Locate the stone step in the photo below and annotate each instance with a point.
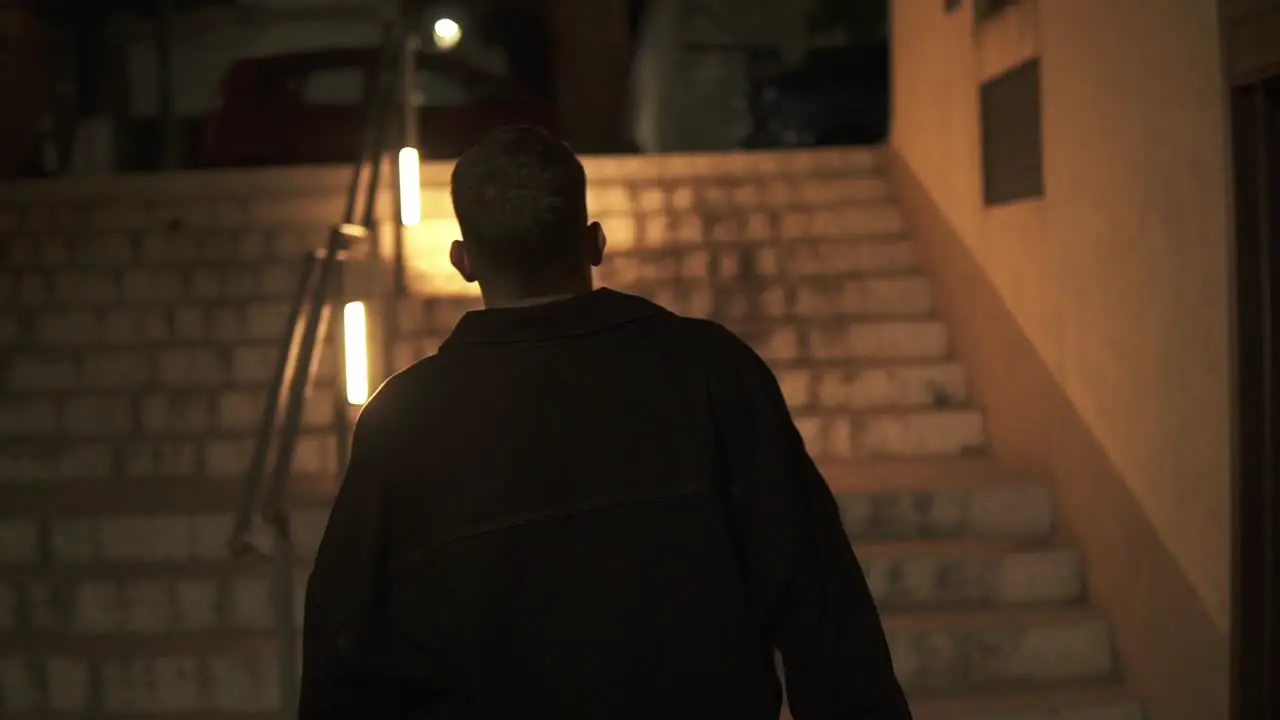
(430, 275)
(838, 256)
(87, 597)
(848, 277)
(844, 341)
(664, 168)
(110, 405)
(97, 438)
(957, 574)
(1021, 511)
(144, 266)
(906, 385)
(934, 655)
(941, 653)
(173, 366)
(160, 520)
(606, 199)
(849, 295)
(187, 434)
(237, 319)
(137, 287)
(913, 475)
(145, 355)
(182, 684)
(763, 223)
(1098, 701)
(113, 249)
(893, 433)
(205, 200)
(205, 233)
(1087, 703)
(288, 195)
(753, 163)
(77, 419)
(817, 343)
(845, 297)
(831, 296)
(1070, 702)
(89, 460)
(188, 519)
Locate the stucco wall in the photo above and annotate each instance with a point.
(1118, 278)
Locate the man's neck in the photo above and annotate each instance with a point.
(494, 299)
(526, 302)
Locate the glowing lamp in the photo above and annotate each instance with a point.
(355, 343)
(410, 187)
(446, 33)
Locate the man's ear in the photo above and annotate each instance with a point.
(458, 258)
(596, 242)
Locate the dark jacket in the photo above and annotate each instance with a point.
(588, 509)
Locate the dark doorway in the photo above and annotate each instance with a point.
(1255, 114)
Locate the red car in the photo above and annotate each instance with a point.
(310, 107)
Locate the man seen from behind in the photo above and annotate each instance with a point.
(583, 507)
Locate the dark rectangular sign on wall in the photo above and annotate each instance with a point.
(983, 9)
(1012, 143)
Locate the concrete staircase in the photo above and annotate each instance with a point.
(137, 331)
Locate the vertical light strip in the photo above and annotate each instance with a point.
(410, 187)
(356, 352)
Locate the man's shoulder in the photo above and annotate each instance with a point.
(723, 349)
(717, 340)
(397, 393)
(692, 327)
(710, 340)
(413, 376)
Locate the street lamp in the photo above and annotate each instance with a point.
(447, 33)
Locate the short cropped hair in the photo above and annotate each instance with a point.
(520, 196)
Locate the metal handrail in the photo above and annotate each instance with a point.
(261, 527)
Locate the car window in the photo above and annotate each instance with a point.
(333, 86)
(439, 90)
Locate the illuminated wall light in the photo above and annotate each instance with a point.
(410, 187)
(356, 352)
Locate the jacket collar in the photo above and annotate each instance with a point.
(578, 315)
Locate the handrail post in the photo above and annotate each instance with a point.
(262, 520)
(244, 539)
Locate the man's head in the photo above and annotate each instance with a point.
(520, 198)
